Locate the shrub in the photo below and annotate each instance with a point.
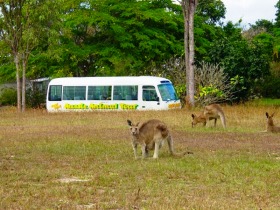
(8, 97)
(269, 87)
(212, 85)
(35, 98)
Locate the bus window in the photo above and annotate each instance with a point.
(99, 92)
(128, 92)
(74, 92)
(149, 93)
(55, 93)
(167, 92)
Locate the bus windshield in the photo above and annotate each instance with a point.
(167, 92)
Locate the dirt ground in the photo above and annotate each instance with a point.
(238, 141)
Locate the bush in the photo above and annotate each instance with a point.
(212, 85)
(8, 97)
(35, 98)
(269, 87)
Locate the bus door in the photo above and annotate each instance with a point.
(150, 98)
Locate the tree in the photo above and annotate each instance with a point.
(113, 37)
(277, 19)
(188, 7)
(22, 24)
(208, 16)
(262, 25)
(211, 11)
(11, 32)
(244, 61)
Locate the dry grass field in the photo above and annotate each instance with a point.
(85, 161)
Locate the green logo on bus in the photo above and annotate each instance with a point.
(76, 106)
(103, 106)
(129, 106)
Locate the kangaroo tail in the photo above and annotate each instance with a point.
(171, 148)
(181, 154)
(223, 119)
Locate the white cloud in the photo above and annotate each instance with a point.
(250, 10)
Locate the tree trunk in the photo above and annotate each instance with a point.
(188, 7)
(185, 6)
(16, 60)
(23, 103)
(191, 86)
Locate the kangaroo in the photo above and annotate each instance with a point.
(210, 112)
(151, 136)
(270, 127)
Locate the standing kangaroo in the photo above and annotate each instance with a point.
(151, 136)
(210, 112)
(270, 127)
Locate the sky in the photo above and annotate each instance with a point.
(250, 10)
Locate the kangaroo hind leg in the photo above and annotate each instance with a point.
(157, 146)
(170, 144)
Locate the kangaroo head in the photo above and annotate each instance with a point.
(269, 119)
(134, 130)
(198, 119)
(195, 120)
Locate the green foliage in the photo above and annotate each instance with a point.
(210, 91)
(181, 92)
(277, 19)
(206, 31)
(276, 45)
(118, 38)
(7, 68)
(247, 59)
(23, 26)
(263, 24)
(211, 11)
(35, 98)
(269, 87)
(7, 72)
(240, 90)
(8, 97)
(212, 84)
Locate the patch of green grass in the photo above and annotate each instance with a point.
(265, 102)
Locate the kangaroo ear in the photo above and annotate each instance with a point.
(272, 114)
(193, 116)
(267, 115)
(129, 122)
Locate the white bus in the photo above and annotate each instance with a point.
(111, 93)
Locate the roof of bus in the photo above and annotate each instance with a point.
(120, 80)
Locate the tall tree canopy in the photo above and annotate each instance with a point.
(119, 38)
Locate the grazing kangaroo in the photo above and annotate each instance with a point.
(270, 127)
(210, 112)
(151, 136)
